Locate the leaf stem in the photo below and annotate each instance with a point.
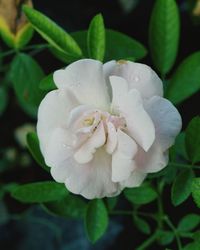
(181, 165)
(130, 213)
(170, 224)
(37, 46)
(148, 242)
(7, 53)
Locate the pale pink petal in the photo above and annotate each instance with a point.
(139, 123)
(59, 147)
(119, 92)
(77, 113)
(85, 153)
(166, 119)
(139, 76)
(122, 159)
(91, 180)
(111, 138)
(152, 161)
(85, 78)
(135, 179)
(53, 113)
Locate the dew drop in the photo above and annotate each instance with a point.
(136, 78)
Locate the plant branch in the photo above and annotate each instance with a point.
(181, 165)
(148, 242)
(170, 224)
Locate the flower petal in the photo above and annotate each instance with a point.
(152, 161)
(139, 76)
(85, 153)
(135, 179)
(85, 78)
(139, 123)
(166, 119)
(91, 180)
(111, 138)
(59, 147)
(53, 112)
(119, 92)
(122, 159)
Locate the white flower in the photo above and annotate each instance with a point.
(106, 126)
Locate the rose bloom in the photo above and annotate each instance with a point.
(106, 126)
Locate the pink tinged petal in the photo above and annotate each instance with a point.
(139, 76)
(152, 161)
(59, 147)
(77, 113)
(135, 179)
(122, 159)
(119, 92)
(111, 138)
(166, 119)
(93, 179)
(139, 123)
(85, 153)
(85, 78)
(53, 113)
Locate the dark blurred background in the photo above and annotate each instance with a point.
(38, 230)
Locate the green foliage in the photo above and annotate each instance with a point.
(111, 202)
(129, 47)
(181, 188)
(165, 237)
(164, 34)
(70, 206)
(25, 75)
(189, 223)
(59, 39)
(96, 220)
(196, 191)
(193, 140)
(186, 80)
(141, 195)
(96, 38)
(39, 192)
(192, 246)
(34, 148)
(180, 146)
(142, 225)
(47, 83)
(3, 100)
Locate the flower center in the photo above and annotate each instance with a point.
(89, 123)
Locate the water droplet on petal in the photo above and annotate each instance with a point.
(136, 78)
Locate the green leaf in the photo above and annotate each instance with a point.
(180, 146)
(111, 202)
(129, 47)
(141, 195)
(181, 188)
(47, 83)
(192, 246)
(71, 206)
(196, 191)
(96, 220)
(188, 223)
(25, 75)
(39, 192)
(192, 140)
(186, 80)
(164, 33)
(34, 148)
(53, 34)
(96, 38)
(3, 100)
(142, 225)
(165, 237)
